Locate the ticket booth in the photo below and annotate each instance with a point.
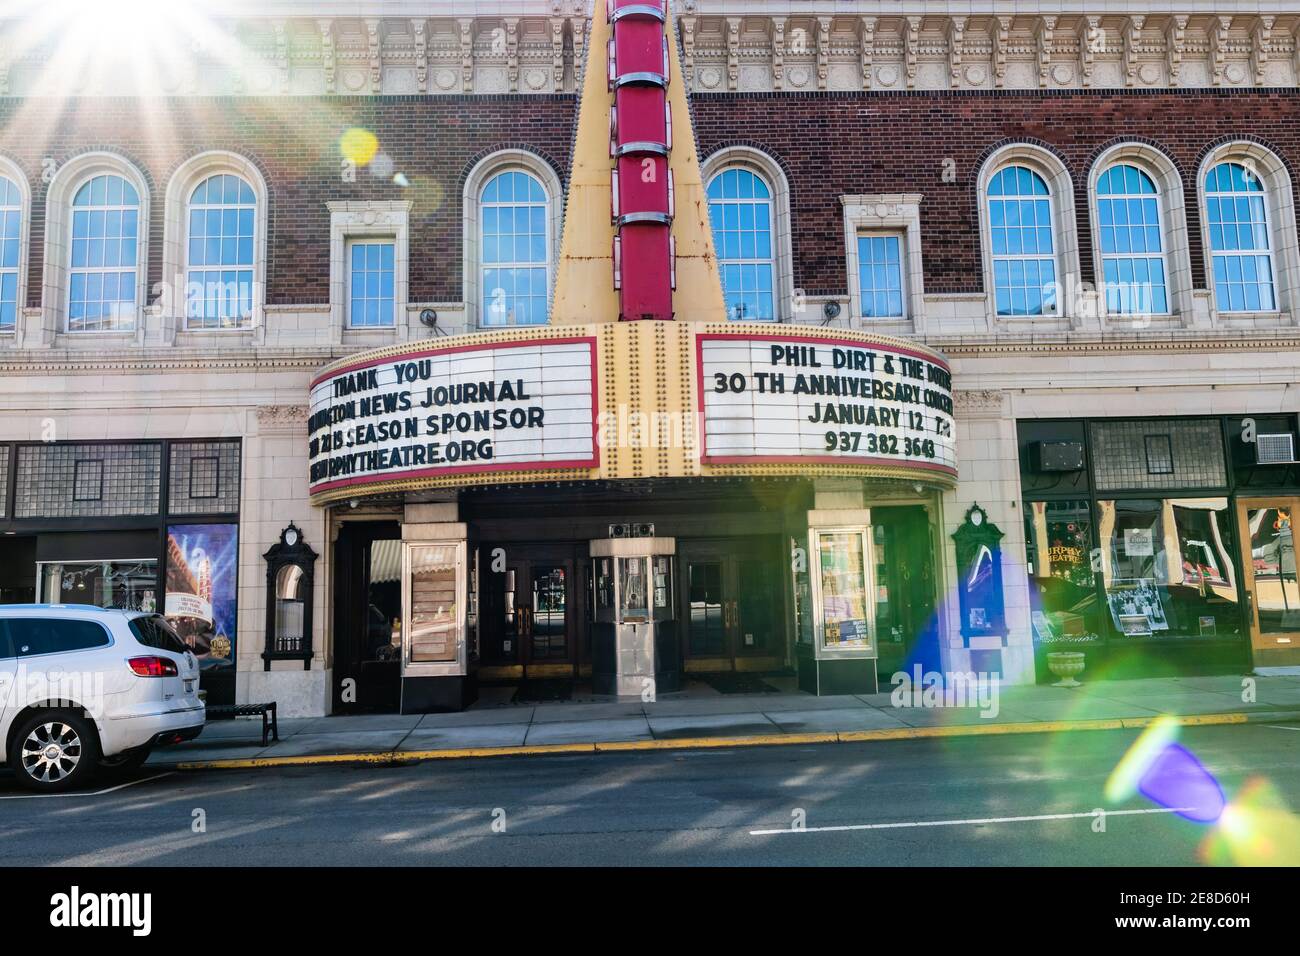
(635, 643)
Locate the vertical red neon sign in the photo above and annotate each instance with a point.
(640, 140)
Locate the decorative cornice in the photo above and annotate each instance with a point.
(532, 46)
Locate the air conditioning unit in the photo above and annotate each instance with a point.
(1060, 456)
(1275, 449)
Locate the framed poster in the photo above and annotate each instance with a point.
(201, 595)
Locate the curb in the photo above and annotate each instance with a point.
(393, 757)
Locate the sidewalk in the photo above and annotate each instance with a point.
(702, 717)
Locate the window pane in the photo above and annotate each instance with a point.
(221, 234)
(740, 211)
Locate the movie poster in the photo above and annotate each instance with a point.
(202, 560)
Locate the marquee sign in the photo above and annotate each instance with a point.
(815, 399)
(434, 412)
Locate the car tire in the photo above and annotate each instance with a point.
(54, 750)
(124, 764)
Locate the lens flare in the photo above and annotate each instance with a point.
(1256, 829)
(1168, 774)
(358, 145)
(1124, 779)
(1177, 779)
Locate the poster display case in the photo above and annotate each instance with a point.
(437, 626)
(843, 615)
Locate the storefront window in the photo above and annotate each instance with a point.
(842, 564)
(1167, 569)
(131, 585)
(1063, 600)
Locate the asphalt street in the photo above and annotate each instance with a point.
(964, 801)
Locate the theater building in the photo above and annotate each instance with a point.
(621, 346)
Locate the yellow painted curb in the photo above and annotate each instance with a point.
(697, 743)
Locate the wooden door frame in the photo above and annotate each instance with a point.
(1259, 639)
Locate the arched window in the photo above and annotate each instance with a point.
(220, 248)
(11, 246)
(1021, 229)
(1131, 234)
(740, 211)
(102, 271)
(1236, 211)
(516, 250)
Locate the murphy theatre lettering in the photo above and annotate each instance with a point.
(429, 412)
(791, 398)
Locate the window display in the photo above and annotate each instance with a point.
(131, 585)
(1166, 567)
(843, 566)
(1063, 599)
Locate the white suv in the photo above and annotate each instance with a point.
(84, 688)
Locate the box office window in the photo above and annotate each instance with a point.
(87, 480)
(1158, 454)
(1166, 567)
(203, 478)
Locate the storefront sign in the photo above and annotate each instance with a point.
(780, 398)
(429, 412)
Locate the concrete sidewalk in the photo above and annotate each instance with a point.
(701, 716)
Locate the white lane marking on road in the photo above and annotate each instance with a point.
(904, 824)
(1279, 727)
(94, 793)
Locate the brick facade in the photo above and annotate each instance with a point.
(836, 144)
(434, 142)
(830, 144)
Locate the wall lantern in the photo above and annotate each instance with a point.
(290, 564)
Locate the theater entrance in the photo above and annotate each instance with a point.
(368, 617)
(532, 611)
(732, 604)
(907, 626)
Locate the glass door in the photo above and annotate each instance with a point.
(1270, 570)
(708, 614)
(548, 617)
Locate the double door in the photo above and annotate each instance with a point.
(1269, 572)
(732, 605)
(530, 613)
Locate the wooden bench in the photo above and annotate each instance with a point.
(270, 723)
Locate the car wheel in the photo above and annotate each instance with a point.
(54, 750)
(124, 764)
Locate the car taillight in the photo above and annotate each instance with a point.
(153, 666)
